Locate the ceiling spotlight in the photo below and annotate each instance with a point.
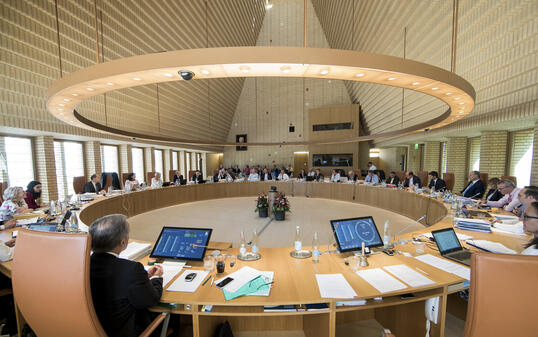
(457, 98)
(60, 109)
(187, 75)
(72, 95)
(168, 75)
(90, 89)
(462, 103)
(435, 88)
(268, 5)
(391, 78)
(205, 72)
(360, 75)
(137, 78)
(244, 69)
(67, 99)
(286, 69)
(416, 83)
(61, 104)
(448, 93)
(324, 72)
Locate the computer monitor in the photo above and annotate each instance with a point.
(44, 228)
(446, 240)
(351, 233)
(182, 243)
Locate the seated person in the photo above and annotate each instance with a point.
(526, 196)
(393, 178)
(371, 166)
(475, 188)
(177, 178)
(493, 194)
(412, 180)
(6, 250)
(13, 203)
(157, 182)
(351, 176)
(530, 224)
(93, 186)
(509, 200)
(318, 176)
(230, 175)
(253, 176)
(301, 175)
(335, 176)
(311, 173)
(131, 183)
(33, 194)
(8, 224)
(197, 177)
(266, 175)
(283, 176)
(436, 183)
(371, 178)
(219, 175)
(122, 291)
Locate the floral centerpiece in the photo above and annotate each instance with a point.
(280, 207)
(262, 205)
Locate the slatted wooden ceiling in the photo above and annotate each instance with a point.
(127, 28)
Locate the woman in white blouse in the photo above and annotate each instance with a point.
(283, 176)
(335, 177)
(13, 203)
(156, 182)
(131, 183)
(530, 224)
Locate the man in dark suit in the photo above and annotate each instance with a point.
(197, 177)
(93, 186)
(318, 176)
(475, 188)
(177, 178)
(411, 180)
(122, 291)
(435, 182)
(265, 175)
(393, 179)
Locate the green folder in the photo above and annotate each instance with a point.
(258, 287)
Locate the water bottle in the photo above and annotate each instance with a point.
(254, 245)
(297, 243)
(386, 234)
(52, 208)
(58, 209)
(315, 248)
(74, 222)
(243, 245)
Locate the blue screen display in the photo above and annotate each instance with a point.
(446, 240)
(43, 228)
(178, 243)
(351, 233)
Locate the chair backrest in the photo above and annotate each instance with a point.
(108, 181)
(51, 284)
(423, 175)
(449, 180)
(503, 295)
(78, 184)
(191, 173)
(400, 175)
(123, 179)
(171, 175)
(484, 177)
(3, 187)
(150, 175)
(514, 179)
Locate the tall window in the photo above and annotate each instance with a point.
(159, 162)
(109, 158)
(69, 164)
(443, 157)
(198, 159)
(138, 163)
(521, 156)
(474, 154)
(174, 160)
(188, 163)
(18, 161)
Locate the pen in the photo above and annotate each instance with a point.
(207, 279)
(185, 266)
(422, 271)
(212, 282)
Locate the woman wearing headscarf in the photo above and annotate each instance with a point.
(33, 193)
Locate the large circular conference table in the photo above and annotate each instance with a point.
(294, 279)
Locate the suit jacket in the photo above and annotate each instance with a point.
(318, 177)
(393, 181)
(495, 195)
(269, 176)
(175, 178)
(121, 293)
(476, 191)
(88, 187)
(416, 180)
(440, 184)
(198, 179)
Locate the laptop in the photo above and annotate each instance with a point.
(450, 247)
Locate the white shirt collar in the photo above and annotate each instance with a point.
(112, 253)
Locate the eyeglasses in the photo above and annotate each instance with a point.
(525, 216)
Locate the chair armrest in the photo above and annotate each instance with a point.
(156, 322)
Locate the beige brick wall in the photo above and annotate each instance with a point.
(457, 161)
(414, 158)
(534, 169)
(92, 156)
(126, 159)
(46, 167)
(149, 159)
(3, 162)
(493, 151)
(167, 165)
(432, 156)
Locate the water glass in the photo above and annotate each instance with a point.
(419, 248)
(354, 263)
(209, 263)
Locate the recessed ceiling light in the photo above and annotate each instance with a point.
(457, 98)
(268, 5)
(448, 93)
(244, 69)
(360, 75)
(205, 72)
(67, 99)
(435, 88)
(324, 72)
(72, 95)
(462, 103)
(391, 78)
(60, 109)
(90, 89)
(285, 69)
(137, 78)
(416, 83)
(109, 83)
(61, 104)
(168, 75)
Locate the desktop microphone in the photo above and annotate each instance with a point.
(406, 227)
(331, 241)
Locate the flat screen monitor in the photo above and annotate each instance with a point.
(43, 228)
(446, 240)
(351, 233)
(182, 243)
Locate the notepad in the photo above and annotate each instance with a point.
(181, 285)
(516, 228)
(334, 286)
(170, 270)
(446, 265)
(380, 280)
(409, 275)
(240, 278)
(490, 246)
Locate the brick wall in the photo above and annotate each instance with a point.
(414, 158)
(167, 165)
(92, 156)
(149, 159)
(432, 156)
(46, 167)
(493, 151)
(534, 169)
(3, 162)
(457, 161)
(126, 159)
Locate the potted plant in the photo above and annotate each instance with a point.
(280, 207)
(262, 206)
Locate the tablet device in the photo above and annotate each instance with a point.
(351, 233)
(182, 243)
(43, 228)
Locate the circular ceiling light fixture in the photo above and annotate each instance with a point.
(259, 62)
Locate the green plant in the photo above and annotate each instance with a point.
(261, 202)
(281, 204)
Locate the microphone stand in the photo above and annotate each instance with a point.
(391, 245)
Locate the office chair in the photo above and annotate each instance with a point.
(78, 184)
(503, 296)
(51, 285)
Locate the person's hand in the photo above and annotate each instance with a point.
(10, 243)
(156, 270)
(10, 224)
(517, 211)
(480, 202)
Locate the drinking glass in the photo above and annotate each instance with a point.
(209, 263)
(419, 247)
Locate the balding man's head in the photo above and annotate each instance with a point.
(108, 232)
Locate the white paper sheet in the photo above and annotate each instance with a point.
(170, 270)
(380, 280)
(446, 265)
(409, 275)
(516, 228)
(240, 278)
(28, 221)
(334, 286)
(134, 250)
(494, 247)
(181, 285)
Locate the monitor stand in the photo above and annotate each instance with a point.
(359, 252)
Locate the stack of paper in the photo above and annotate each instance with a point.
(506, 219)
(380, 280)
(334, 286)
(409, 275)
(135, 250)
(170, 270)
(240, 278)
(181, 285)
(489, 246)
(446, 265)
(476, 225)
(350, 303)
(516, 228)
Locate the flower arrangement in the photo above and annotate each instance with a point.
(261, 203)
(281, 204)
